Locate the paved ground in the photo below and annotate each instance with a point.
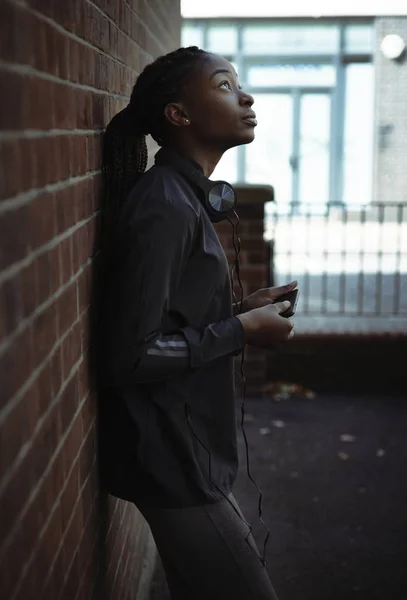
(336, 509)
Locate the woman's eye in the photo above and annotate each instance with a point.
(226, 83)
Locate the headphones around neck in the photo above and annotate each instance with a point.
(219, 197)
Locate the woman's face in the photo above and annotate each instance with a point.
(219, 111)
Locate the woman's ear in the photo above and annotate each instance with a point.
(176, 115)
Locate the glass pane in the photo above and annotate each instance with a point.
(227, 167)
(359, 38)
(358, 135)
(222, 40)
(268, 157)
(290, 39)
(314, 151)
(191, 35)
(292, 75)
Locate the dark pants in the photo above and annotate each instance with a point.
(207, 555)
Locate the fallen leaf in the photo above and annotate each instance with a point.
(277, 423)
(343, 455)
(264, 430)
(347, 437)
(380, 452)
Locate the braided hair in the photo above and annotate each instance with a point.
(124, 145)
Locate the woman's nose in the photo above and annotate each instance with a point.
(246, 99)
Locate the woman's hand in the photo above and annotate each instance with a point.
(267, 296)
(264, 328)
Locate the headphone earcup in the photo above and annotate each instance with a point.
(218, 198)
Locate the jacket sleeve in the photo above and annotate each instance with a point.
(161, 240)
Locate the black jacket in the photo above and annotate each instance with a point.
(168, 431)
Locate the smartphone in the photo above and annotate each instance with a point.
(291, 297)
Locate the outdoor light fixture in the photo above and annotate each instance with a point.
(392, 46)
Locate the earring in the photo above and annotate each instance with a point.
(187, 121)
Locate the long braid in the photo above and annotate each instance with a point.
(124, 145)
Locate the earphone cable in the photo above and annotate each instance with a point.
(236, 269)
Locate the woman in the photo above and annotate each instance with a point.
(168, 438)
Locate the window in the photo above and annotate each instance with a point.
(359, 39)
(268, 158)
(314, 102)
(290, 39)
(358, 135)
(192, 35)
(314, 150)
(222, 40)
(291, 75)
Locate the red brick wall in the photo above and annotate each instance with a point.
(65, 68)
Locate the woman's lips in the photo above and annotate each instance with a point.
(250, 121)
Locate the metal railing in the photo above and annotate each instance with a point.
(348, 260)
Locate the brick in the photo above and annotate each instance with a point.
(100, 105)
(12, 92)
(18, 429)
(45, 333)
(42, 219)
(72, 444)
(78, 155)
(56, 371)
(67, 309)
(10, 168)
(83, 109)
(62, 55)
(16, 365)
(29, 164)
(88, 416)
(16, 494)
(45, 7)
(37, 103)
(44, 391)
(70, 355)
(75, 62)
(43, 451)
(12, 303)
(43, 277)
(54, 269)
(29, 289)
(84, 206)
(12, 563)
(69, 497)
(31, 581)
(34, 51)
(79, 242)
(66, 259)
(65, 153)
(65, 209)
(72, 583)
(87, 66)
(46, 164)
(8, 28)
(94, 151)
(64, 106)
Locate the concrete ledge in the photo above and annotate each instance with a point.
(345, 363)
(350, 325)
